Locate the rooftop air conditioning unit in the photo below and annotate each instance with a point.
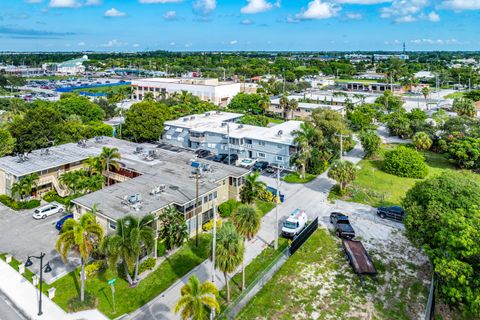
(185, 119)
(240, 126)
(207, 114)
(134, 198)
(192, 118)
(224, 124)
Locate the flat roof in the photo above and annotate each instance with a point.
(210, 82)
(213, 123)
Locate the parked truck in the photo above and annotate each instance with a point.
(294, 224)
(358, 257)
(341, 223)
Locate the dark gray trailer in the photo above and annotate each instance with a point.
(358, 257)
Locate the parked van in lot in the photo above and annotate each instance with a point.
(294, 224)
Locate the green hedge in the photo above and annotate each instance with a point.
(53, 196)
(227, 208)
(405, 162)
(18, 205)
(161, 248)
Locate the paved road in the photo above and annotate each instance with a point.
(8, 311)
(310, 197)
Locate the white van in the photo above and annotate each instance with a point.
(294, 224)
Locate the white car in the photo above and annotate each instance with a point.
(48, 210)
(247, 163)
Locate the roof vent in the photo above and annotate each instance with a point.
(240, 126)
(207, 114)
(224, 124)
(98, 139)
(185, 119)
(82, 143)
(280, 132)
(218, 112)
(132, 199)
(158, 189)
(192, 118)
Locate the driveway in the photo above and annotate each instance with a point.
(21, 236)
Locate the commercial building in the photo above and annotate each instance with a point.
(219, 133)
(219, 93)
(371, 87)
(70, 67)
(304, 109)
(22, 71)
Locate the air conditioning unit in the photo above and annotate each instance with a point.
(134, 198)
(240, 126)
(224, 124)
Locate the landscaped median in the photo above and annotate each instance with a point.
(294, 177)
(129, 299)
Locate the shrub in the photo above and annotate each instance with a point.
(161, 248)
(52, 196)
(93, 268)
(16, 205)
(30, 204)
(147, 264)
(75, 304)
(405, 162)
(227, 208)
(209, 225)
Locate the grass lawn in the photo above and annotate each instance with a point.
(264, 207)
(455, 95)
(129, 299)
(318, 283)
(294, 177)
(275, 120)
(252, 270)
(375, 187)
(105, 89)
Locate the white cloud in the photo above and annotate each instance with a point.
(233, 42)
(73, 3)
(404, 10)
(353, 16)
(407, 18)
(114, 43)
(159, 1)
(257, 6)
(436, 42)
(461, 4)
(433, 17)
(81, 44)
(362, 1)
(135, 45)
(172, 43)
(246, 22)
(170, 15)
(204, 7)
(188, 45)
(114, 13)
(318, 10)
(34, 1)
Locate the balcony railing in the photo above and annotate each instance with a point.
(197, 139)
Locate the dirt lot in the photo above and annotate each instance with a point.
(317, 282)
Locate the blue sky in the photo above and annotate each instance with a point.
(191, 25)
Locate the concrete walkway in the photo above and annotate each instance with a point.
(24, 296)
(310, 197)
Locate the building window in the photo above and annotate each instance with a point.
(279, 158)
(112, 225)
(211, 145)
(261, 143)
(262, 155)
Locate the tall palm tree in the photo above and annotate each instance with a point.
(133, 235)
(303, 140)
(246, 220)
(292, 106)
(425, 93)
(93, 165)
(229, 251)
(25, 185)
(252, 188)
(197, 299)
(283, 102)
(108, 158)
(80, 237)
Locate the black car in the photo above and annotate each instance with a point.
(394, 213)
(270, 169)
(220, 157)
(201, 153)
(343, 228)
(260, 166)
(233, 158)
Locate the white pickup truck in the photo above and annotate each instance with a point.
(294, 224)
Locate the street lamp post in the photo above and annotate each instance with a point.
(28, 263)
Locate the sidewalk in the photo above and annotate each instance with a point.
(310, 196)
(25, 298)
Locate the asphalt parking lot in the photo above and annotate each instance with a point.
(21, 236)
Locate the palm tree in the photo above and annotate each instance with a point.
(80, 237)
(197, 299)
(425, 93)
(229, 251)
(246, 220)
(292, 106)
(108, 158)
(421, 141)
(133, 235)
(343, 172)
(25, 185)
(283, 102)
(252, 188)
(173, 228)
(93, 165)
(303, 140)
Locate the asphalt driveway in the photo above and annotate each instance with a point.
(21, 236)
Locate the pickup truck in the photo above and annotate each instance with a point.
(343, 228)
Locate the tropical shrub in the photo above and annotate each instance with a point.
(422, 141)
(227, 208)
(147, 264)
(370, 142)
(18, 205)
(405, 162)
(209, 225)
(94, 267)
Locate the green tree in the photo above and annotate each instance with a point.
(464, 107)
(405, 162)
(24, 187)
(465, 152)
(80, 237)
(343, 172)
(7, 142)
(304, 141)
(442, 217)
(197, 300)
(426, 93)
(173, 228)
(252, 187)
(248, 103)
(81, 106)
(144, 120)
(109, 159)
(371, 142)
(422, 141)
(229, 252)
(389, 101)
(247, 220)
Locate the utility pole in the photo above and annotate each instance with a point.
(196, 205)
(276, 208)
(341, 144)
(283, 70)
(214, 242)
(228, 142)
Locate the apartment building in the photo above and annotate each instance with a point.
(219, 93)
(371, 87)
(303, 111)
(219, 133)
